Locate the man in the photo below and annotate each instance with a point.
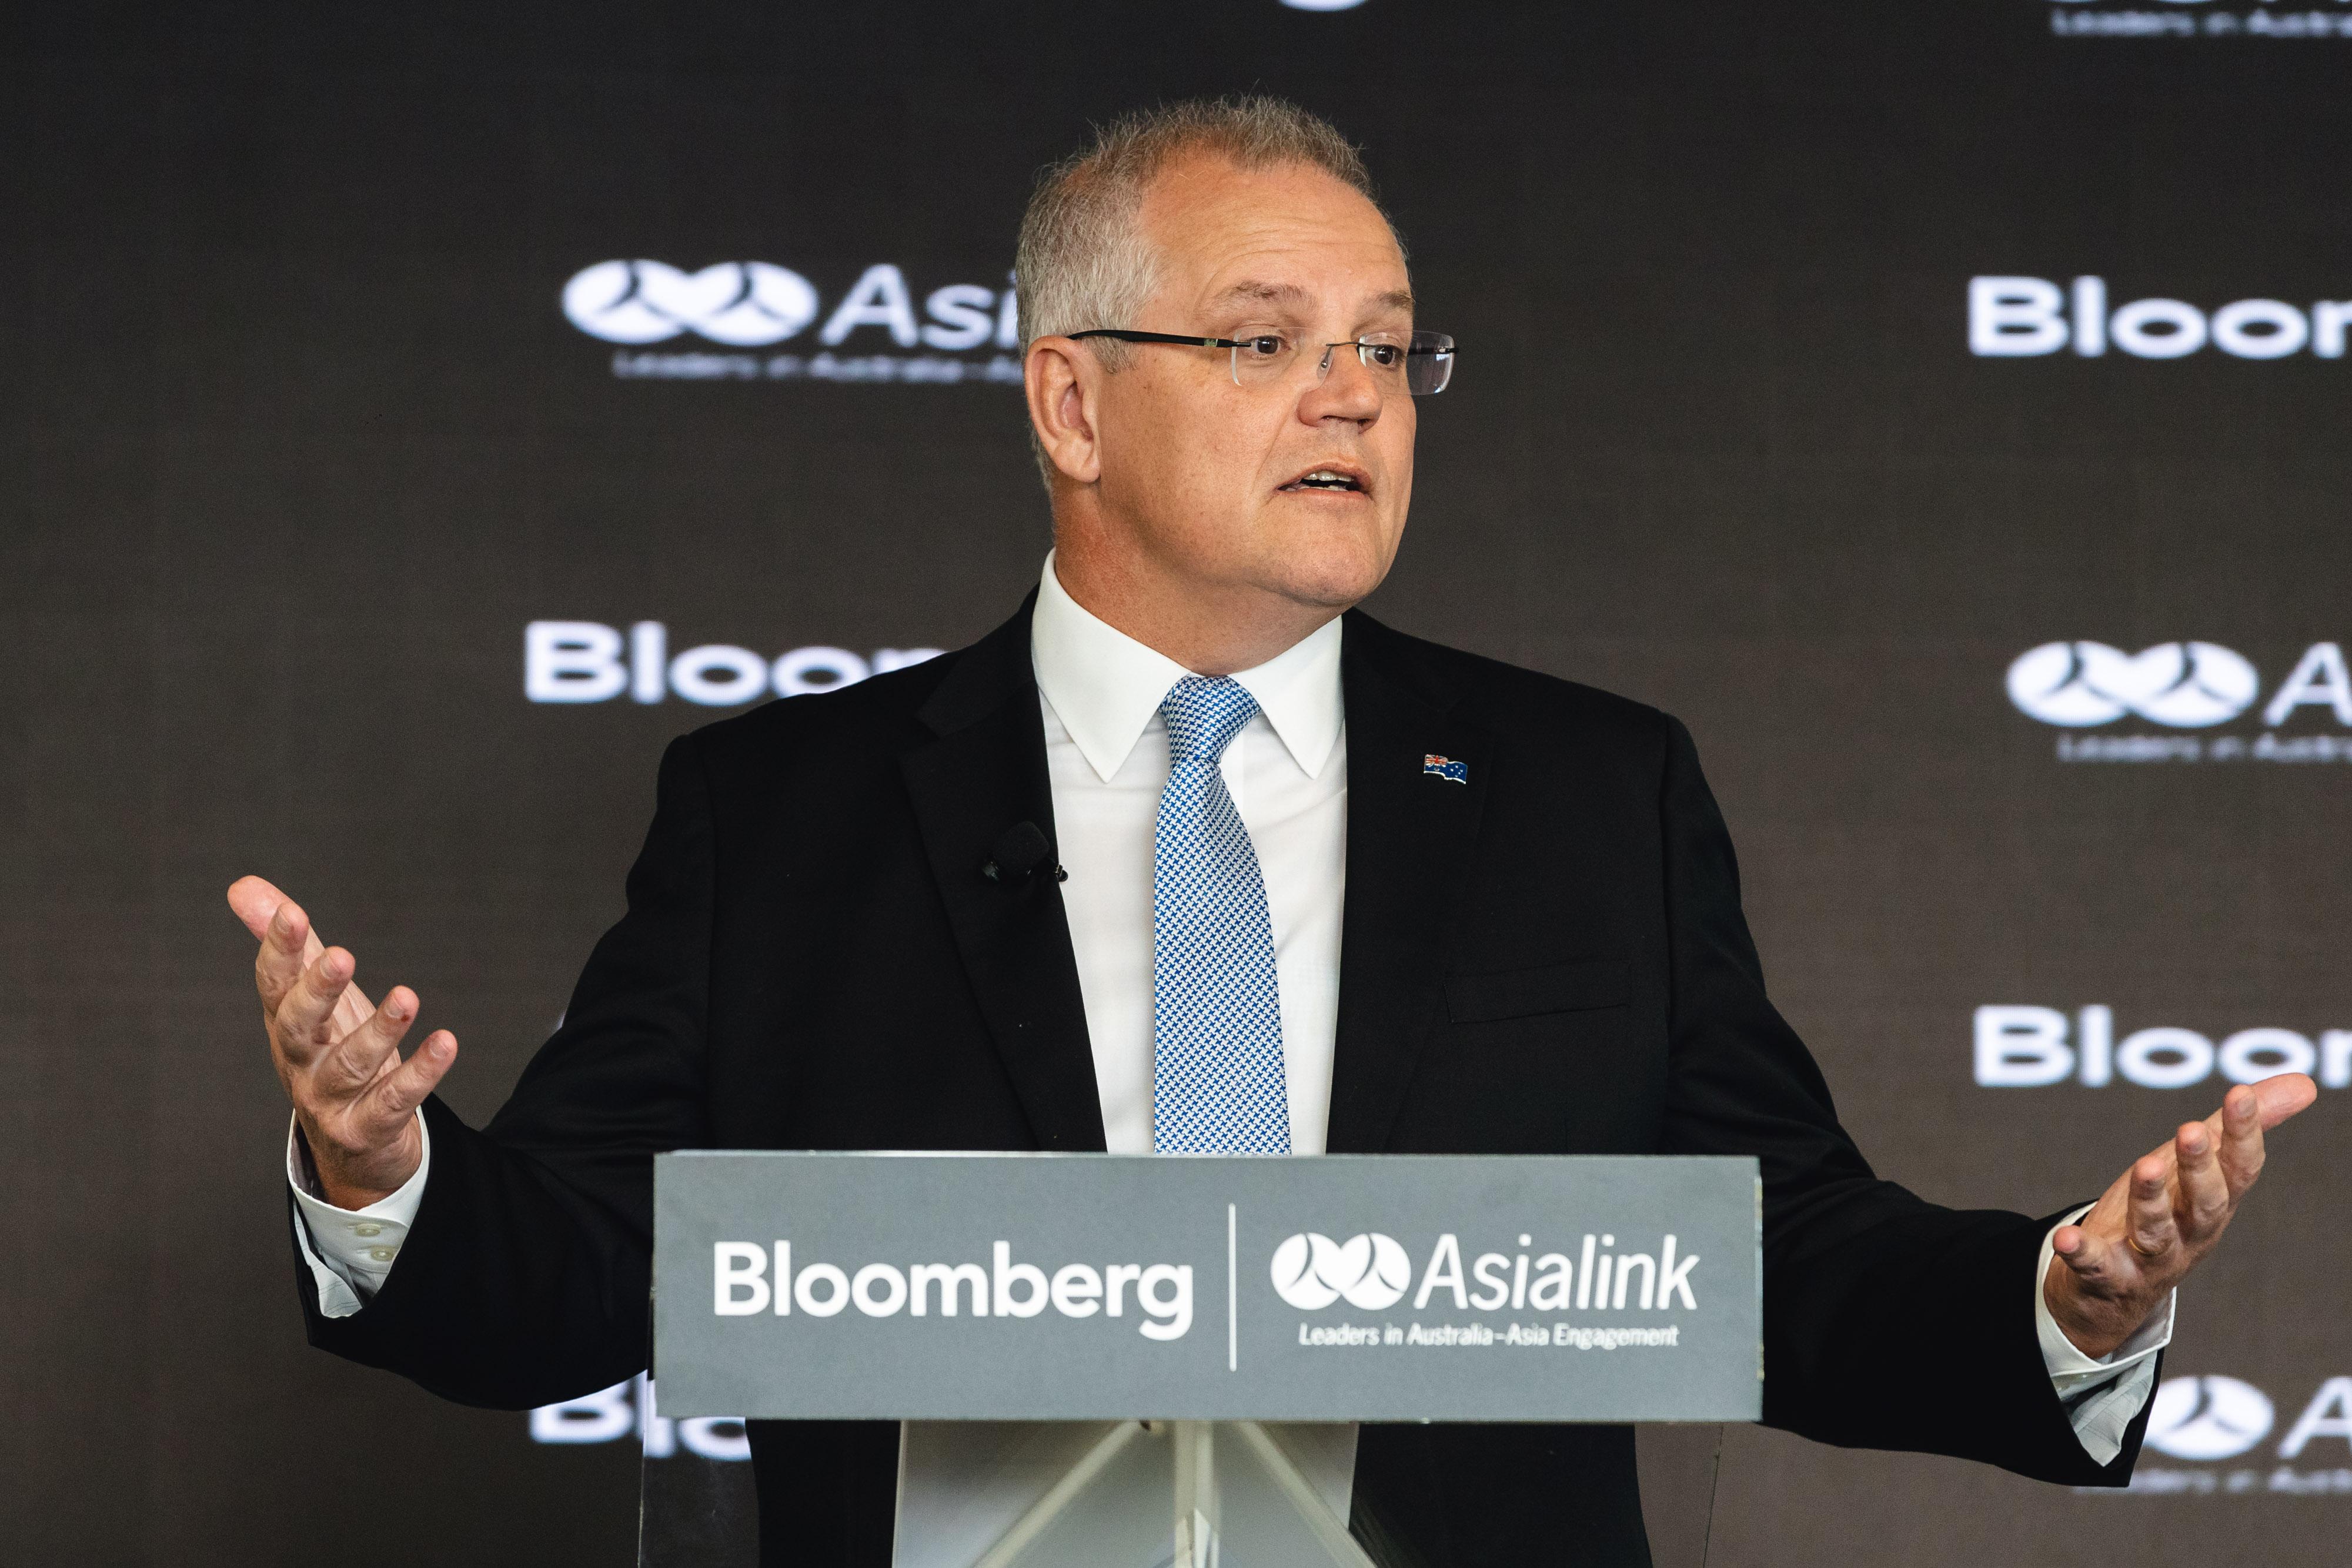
(1329, 887)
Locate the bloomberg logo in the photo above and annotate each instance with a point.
(2034, 1047)
(590, 662)
(740, 1288)
(753, 304)
(2025, 318)
(626, 1410)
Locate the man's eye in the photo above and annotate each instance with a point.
(1263, 346)
(1387, 356)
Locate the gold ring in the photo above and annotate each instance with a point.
(2132, 1242)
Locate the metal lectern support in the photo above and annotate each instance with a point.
(1196, 1494)
(1228, 1481)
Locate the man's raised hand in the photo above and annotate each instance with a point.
(339, 1058)
(2163, 1215)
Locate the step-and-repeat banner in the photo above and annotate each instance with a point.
(417, 416)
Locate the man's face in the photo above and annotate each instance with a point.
(1206, 476)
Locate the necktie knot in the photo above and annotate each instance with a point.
(1203, 714)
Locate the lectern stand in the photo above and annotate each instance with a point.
(1177, 1315)
(1158, 1492)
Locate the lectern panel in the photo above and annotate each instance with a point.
(1058, 1287)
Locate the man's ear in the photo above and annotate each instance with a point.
(1063, 383)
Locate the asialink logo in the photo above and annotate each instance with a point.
(1371, 1271)
(2184, 687)
(2270, 19)
(875, 330)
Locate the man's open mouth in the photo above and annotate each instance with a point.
(1327, 479)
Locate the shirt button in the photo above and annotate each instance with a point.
(367, 1229)
(380, 1254)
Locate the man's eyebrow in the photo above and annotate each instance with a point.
(1265, 293)
(1252, 289)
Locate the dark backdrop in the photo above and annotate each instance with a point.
(298, 438)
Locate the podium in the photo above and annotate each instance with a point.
(1106, 1360)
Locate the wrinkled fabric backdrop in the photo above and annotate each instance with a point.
(348, 345)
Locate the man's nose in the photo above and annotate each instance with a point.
(1347, 388)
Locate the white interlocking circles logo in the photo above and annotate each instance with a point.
(742, 303)
(2207, 1417)
(1370, 1271)
(2188, 685)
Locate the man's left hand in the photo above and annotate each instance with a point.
(2162, 1216)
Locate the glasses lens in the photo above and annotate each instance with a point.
(1262, 357)
(1429, 364)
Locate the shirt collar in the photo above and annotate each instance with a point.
(1106, 687)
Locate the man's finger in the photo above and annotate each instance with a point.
(2241, 1137)
(254, 900)
(2280, 1096)
(358, 1058)
(304, 1021)
(396, 1095)
(2149, 1228)
(2205, 1187)
(287, 942)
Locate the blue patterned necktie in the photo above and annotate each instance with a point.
(1216, 1015)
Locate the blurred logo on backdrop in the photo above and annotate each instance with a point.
(2207, 1417)
(2200, 1419)
(2018, 1047)
(873, 331)
(2185, 687)
(2199, 19)
(590, 662)
(626, 1410)
(2210, 1419)
(2185, 684)
(2029, 317)
(739, 302)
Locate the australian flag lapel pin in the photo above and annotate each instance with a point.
(1445, 768)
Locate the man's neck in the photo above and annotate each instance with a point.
(1214, 631)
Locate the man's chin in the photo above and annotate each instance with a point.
(1332, 579)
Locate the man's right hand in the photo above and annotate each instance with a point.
(339, 1058)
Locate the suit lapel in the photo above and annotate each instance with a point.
(1410, 839)
(983, 770)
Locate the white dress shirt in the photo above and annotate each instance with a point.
(1107, 755)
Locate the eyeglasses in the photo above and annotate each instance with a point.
(1420, 363)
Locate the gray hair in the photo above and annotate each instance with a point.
(1084, 261)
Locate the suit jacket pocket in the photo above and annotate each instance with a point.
(1573, 987)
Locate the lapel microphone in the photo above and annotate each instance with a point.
(1019, 854)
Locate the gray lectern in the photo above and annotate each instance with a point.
(1155, 1361)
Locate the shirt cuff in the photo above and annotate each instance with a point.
(2100, 1394)
(351, 1251)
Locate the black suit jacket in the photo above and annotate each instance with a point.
(812, 959)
